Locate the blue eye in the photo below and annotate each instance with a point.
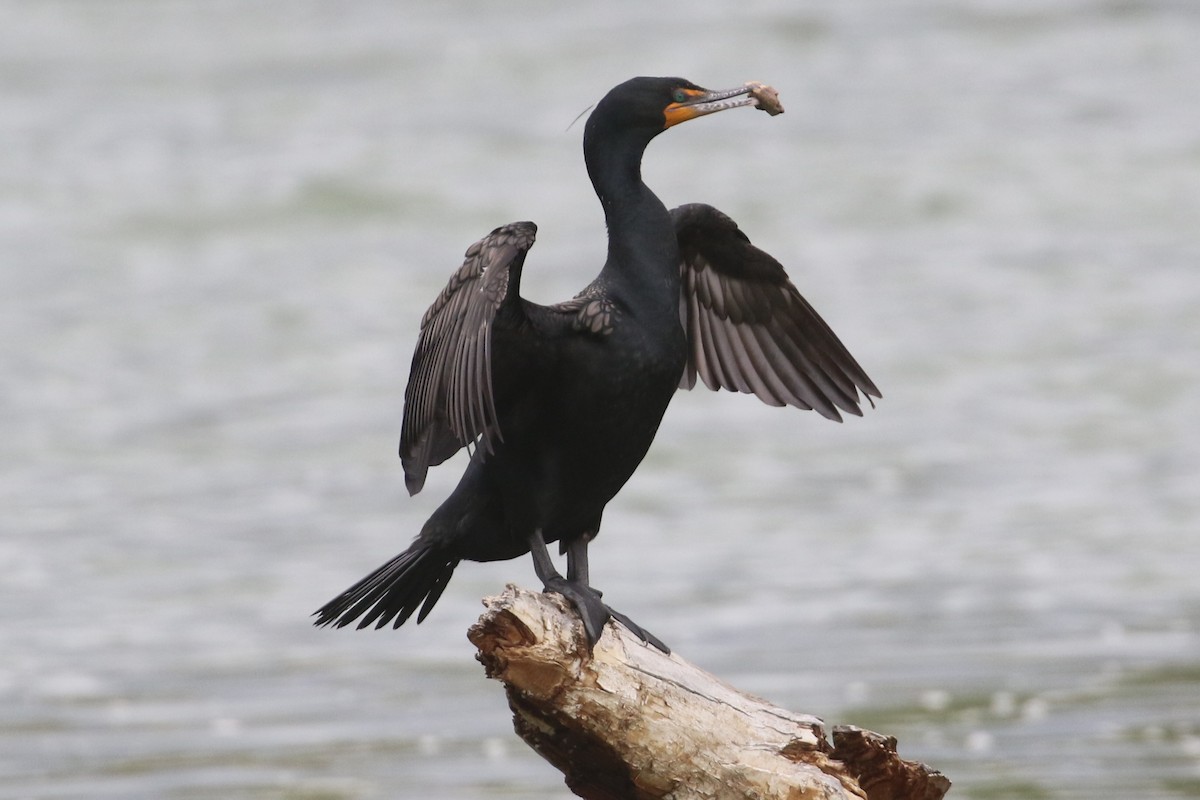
(680, 96)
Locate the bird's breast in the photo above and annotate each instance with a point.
(574, 436)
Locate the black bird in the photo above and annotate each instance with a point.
(562, 402)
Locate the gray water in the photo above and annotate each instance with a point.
(220, 223)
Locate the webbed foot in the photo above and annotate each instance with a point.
(595, 614)
(587, 602)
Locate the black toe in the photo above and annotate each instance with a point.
(587, 602)
(595, 614)
(638, 631)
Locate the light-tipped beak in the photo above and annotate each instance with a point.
(699, 102)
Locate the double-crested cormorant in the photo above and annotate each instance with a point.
(561, 402)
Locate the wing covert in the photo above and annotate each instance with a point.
(748, 327)
(449, 401)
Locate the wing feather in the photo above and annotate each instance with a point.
(450, 402)
(688, 318)
(727, 375)
(749, 330)
(757, 368)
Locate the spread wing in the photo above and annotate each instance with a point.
(749, 329)
(449, 401)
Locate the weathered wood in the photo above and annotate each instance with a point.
(630, 723)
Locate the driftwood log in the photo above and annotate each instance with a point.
(630, 723)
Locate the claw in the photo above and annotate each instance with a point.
(638, 631)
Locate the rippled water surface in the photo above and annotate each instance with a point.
(220, 223)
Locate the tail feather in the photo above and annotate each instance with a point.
(414, 579)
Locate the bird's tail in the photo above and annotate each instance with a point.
(414, 579)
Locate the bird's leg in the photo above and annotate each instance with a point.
(586, 600)
(577, 572)
(577, 560)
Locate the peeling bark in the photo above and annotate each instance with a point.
(627, 722)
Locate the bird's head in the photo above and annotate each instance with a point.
(655, 104)
(633, 113)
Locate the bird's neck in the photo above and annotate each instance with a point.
(642, 248)
(643, 252)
